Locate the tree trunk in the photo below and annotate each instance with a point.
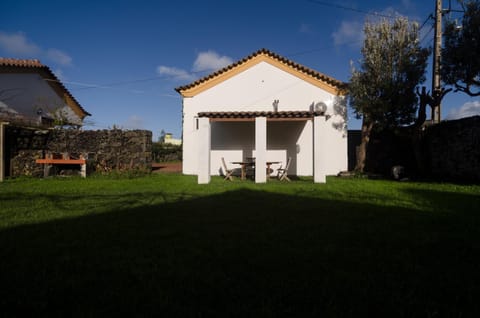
(416, 129)
(362, 149)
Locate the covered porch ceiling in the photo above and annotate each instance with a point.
(270, 115)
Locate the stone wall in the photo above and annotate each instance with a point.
(105, 150)
(449, 151)
(453, 149)
(385, 150)
(388, 149)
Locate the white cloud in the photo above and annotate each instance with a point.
(134, 122)
(59, 57)
(205, 61)
(17, 44)
(210, 61)
(350, 32)
(466, 110)
(175, 73)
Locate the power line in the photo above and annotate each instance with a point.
(119, 83)
(338, 6)
(430, 16)
(426, 34)
(112, 84)
(140, 80)
(322, 48)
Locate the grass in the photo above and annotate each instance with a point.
(164, 245)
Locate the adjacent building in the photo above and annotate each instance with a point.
(31, 94)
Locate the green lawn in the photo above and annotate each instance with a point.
(165, 246)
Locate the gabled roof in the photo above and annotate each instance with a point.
(318, 79)
(9, 65)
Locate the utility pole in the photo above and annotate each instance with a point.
(437, 51)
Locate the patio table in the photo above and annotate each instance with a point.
(251, 163)
(244, 165)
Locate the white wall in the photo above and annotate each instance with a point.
(27, 93)
(235, 141)
(290, 139)
(255, 89)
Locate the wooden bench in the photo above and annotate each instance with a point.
(62, 159)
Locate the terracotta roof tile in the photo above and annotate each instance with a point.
(46, 73)
(301, 68)
(268, 114)
(20, 63)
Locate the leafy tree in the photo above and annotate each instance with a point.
(460, 54)
(382, 91)
(166, 152)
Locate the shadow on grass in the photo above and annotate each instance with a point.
(244, 253)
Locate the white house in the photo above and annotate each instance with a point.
(31, 93)
(267, 107)
(167, 138)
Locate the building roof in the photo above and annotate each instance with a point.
(270, 115)
(10, 65)
(316, 78)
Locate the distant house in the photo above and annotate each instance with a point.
(167, 138)
(31, 93)
(267, 107)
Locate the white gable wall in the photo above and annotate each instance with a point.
(255, 89)
(27, 93)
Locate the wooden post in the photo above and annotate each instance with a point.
(437, 51)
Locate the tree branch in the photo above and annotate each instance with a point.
(466, 89)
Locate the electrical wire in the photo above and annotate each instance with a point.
(426, 34)
(140, 80)
(323, 48)
(338, 6)
(113, 84)
(430, 16)
(160, 77)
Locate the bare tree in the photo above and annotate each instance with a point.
(460, 62)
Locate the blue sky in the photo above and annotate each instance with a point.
(122, 59)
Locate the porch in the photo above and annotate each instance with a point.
(266, 136)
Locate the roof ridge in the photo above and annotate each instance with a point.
(299, 67)
(8, 61)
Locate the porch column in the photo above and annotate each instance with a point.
(2, 150)
(260, 149)
(320, 149)
(204, 146)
